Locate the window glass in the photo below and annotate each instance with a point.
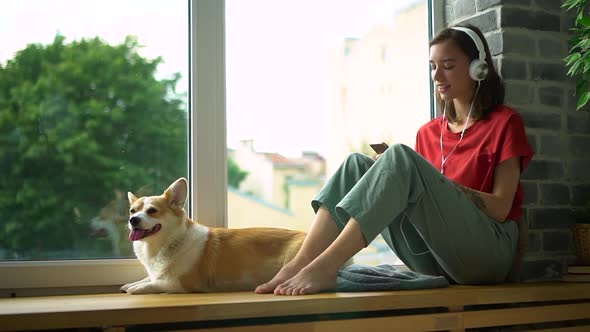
(309, 82)
(93, 104)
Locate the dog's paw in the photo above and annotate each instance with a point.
(125, 287)
(143, 288)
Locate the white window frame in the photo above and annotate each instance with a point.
(208, 160)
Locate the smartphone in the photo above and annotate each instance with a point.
(379, 148)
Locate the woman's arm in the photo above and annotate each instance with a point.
(497, 205)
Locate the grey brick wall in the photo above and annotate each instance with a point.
(528, 40)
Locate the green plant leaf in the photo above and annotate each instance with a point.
(579, 17)
(571, 58)
(570, 4)
(581, 86)
(584, 43)
(583, 99)
(574, 68)
(583, 21)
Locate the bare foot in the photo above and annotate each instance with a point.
(286, 273)
(310, 280)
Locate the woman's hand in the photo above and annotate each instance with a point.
(377, 156)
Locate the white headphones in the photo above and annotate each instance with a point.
(478, 68)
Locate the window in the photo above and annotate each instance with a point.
(205, 108)
(307, 85)
(384, 54)
(93, 103)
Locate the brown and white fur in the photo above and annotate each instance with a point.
(183, 256)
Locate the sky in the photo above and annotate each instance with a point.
(276, 52)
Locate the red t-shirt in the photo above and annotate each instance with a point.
(487, 143)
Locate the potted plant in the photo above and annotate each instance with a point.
(578, 60)
(582, 235)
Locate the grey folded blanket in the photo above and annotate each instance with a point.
(363, 278)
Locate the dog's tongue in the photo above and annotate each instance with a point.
(136, 234)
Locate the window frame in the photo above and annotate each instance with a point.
(207, 160)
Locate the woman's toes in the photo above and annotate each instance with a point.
(279, 290)
(301, 291)
(266, 288)
(296, 291)
(288, 291)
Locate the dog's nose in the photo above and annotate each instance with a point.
(134, 221)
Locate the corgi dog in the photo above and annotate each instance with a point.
(183, 256)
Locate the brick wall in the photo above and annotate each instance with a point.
(528, 40)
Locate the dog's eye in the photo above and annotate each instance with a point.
(151, 211)
(131, 211)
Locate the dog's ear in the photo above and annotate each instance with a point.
(176, 193)
(131, 198)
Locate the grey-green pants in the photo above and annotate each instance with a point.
(429, 224)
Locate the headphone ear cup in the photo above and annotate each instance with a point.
(478, 70)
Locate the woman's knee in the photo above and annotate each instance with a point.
(399, 149)
(400, 153)
(359, 160)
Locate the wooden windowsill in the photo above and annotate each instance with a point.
(114, 310)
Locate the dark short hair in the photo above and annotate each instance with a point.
(491, 89)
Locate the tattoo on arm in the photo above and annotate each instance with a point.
(472, 195)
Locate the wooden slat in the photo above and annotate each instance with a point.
(121, 309)
(526, 315)
(456, 309)
(585, 328)
(426, 322)
(437, 322)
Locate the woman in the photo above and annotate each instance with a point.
(449, 207)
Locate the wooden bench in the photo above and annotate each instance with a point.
(454, 308)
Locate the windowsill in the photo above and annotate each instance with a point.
(115, 310)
